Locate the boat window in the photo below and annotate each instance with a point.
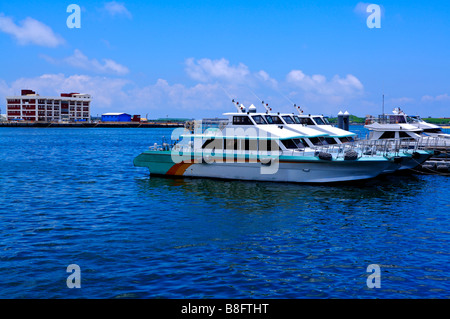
(412, 119)
(259, 119)
(273, 119)
(306, 121)
(432, 130)
(319, 120)
(288, 119)
(386, 135)
(208, 142)
(405, 135)
(241, 120)
(346, 139)
(300, 142)
(268, 145)
(297, 120)
(289, 144)
(330, 140)
(212, 144)
(325, 119)
(315, 141)
(250, 145)
(397, 119)
(294, 143)
(231, 144)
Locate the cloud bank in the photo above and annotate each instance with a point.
(30, 31)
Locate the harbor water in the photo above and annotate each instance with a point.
(71, 196)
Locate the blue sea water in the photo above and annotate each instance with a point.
(73, 196)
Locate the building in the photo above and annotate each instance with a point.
(116, 117)
(29, 106)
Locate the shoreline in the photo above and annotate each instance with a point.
(91, 125)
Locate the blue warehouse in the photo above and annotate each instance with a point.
(116, 117)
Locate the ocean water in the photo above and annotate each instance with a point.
(73, 196)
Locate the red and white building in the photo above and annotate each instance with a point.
(29, 106)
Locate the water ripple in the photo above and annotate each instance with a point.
(73, 196)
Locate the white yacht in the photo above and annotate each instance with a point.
(406, 157)
(428, 129)
(258, 146)
(400, 129)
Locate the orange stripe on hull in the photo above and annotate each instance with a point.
(178, 169)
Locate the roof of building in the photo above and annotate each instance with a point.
(115, 114)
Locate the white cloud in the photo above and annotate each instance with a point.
(216, 83)
(317, 83)
(220, 71)
(105, 91)
(30, 31)
(79, 60)
(117, 9)
(438, 98)
(205, 70)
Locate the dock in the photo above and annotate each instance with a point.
(94, 125)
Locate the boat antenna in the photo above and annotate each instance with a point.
(299, 109)
(383, 106)
(283, 95)
(239, 107)
(266, 106)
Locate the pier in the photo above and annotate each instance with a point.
(94, 125)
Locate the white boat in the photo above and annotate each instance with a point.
(261, 147)
(398, 128)
(406, 157)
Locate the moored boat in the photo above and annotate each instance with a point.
(258, 146)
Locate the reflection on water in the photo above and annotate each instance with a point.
(384, 188)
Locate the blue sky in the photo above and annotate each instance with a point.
(189, 58)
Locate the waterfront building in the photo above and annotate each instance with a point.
(116, 117)
(30, 106)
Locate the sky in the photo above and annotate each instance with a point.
(189, 59)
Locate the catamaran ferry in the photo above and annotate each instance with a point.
(248, 145)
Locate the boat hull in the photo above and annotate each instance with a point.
(296, 169)
(413, 161)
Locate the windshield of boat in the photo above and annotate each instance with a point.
(288, 119)
(241, 120)
(259, 119)
(297, 119)
(319, 120)
(432, 130)
(306, 121)
(414, 118)
(273, 119)
(397, 119)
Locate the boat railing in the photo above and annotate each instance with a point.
(382, 147)
(386, 119)
(433, 142)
